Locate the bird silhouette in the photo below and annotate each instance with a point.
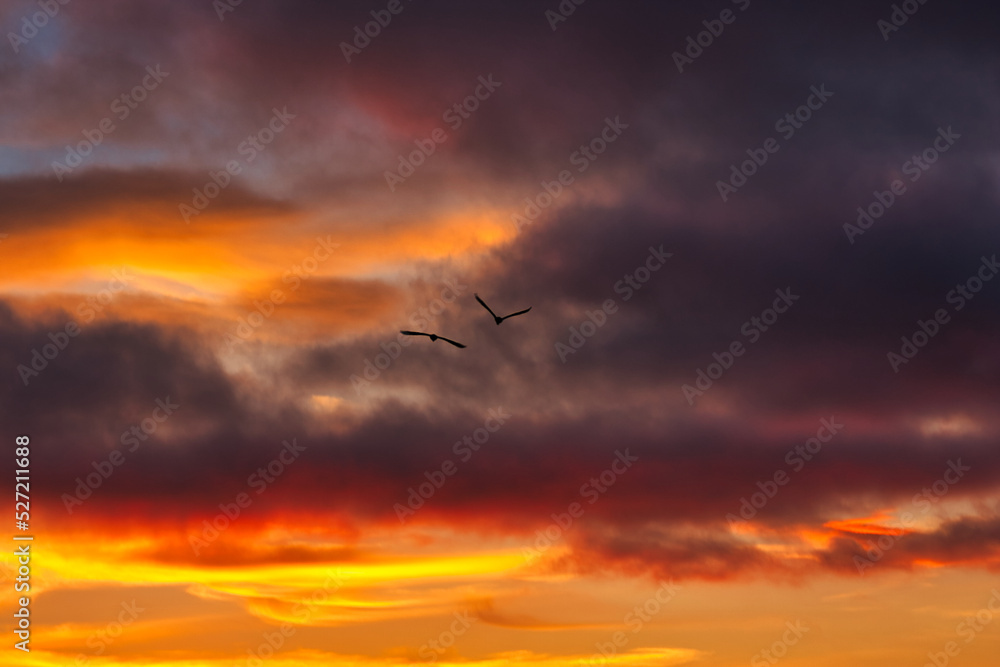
(432, 337)
(496, 318)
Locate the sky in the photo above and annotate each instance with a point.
(750, 418)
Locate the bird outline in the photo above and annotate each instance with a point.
(497, 318)
(433, 337)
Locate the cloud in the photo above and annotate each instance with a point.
(451, 221)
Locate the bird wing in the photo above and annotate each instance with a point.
(520, 312)
(483, 303)
(448, 340)
(414, 333)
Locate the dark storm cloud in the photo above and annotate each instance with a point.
(853, 306)
(104, 383)
(557, 86)
(969, 541)
(661, 555)
(692, 473)
(104, 379)
(783, 229)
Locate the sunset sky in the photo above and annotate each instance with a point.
(750, 419)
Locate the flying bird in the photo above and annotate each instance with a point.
(497, 319)
(432, 337)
